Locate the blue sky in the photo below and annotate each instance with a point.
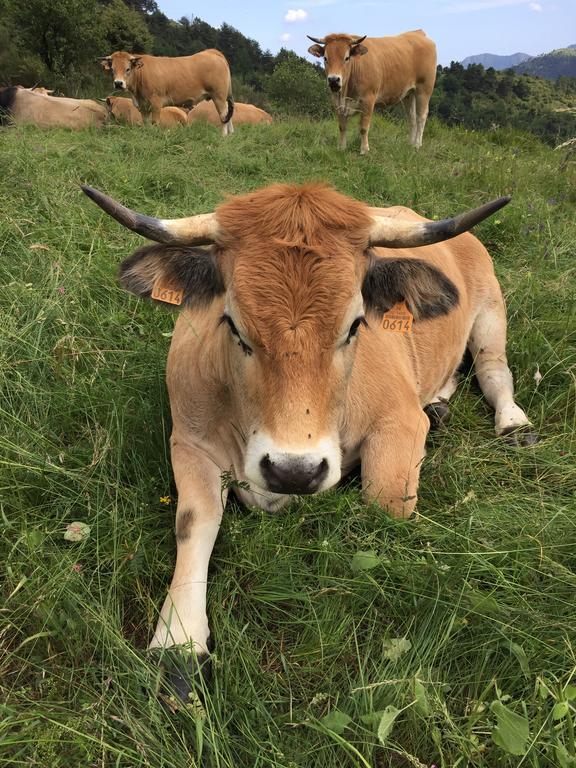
(459, 27)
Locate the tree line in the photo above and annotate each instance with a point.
(56, 42)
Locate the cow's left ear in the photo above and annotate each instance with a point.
(425, 289)
(316, 50)
(358, 50)
(192, 273)
(136, 61)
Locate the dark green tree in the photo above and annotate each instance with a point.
(62, 33)
(124, 29)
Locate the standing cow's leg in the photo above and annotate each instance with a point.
(342, 123)
(422, 101)
(156, 105)
(367, 107)
(409, 103)
(487, 343)
(183, 620)
(391, 458)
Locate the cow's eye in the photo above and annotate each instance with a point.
(326, 59)
(242, 344)
(346, 58)
(354, 328)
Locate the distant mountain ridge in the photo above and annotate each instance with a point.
(495, 61)
(560, 62)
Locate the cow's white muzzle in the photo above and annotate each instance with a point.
(292, 470)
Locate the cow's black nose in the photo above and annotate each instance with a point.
(293, 474)
(118, 84)
(334, 82)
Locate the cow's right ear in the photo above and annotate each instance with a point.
(191, 272)
(316, 50)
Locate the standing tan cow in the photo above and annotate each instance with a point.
(284, 368)
(244, 114)
(365, 71)
(21, 105)
(182, 81)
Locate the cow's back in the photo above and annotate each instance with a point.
(393, 65)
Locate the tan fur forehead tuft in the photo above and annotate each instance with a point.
(340, 37)
(311, 215)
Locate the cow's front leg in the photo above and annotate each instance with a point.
(156, 105)
(183, 621)
(367, 108)
(391, 458)
(342, 123)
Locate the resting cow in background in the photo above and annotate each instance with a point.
(244, 114)
(365, 71)
(284, 368)
(182, 81)
(122, 110)
(21, 105)
(170, 116)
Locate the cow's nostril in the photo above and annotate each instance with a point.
(293, 474)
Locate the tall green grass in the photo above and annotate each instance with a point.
(465, 622)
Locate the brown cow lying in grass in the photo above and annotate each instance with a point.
(295, 359)
(244, 114)
(20, 105)
(124, 111)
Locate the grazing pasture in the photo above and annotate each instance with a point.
(344, 638)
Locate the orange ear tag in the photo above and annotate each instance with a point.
(398, 319)
(168, 295)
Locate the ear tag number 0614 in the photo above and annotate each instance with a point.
(168, 295)
(398, 319)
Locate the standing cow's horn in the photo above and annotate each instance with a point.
(400, 233)
(104, 58)
(201, 229)
(319, 40)
(358, 41)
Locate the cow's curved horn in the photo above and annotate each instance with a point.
(398, 233)
(201, 229)
(319, 40)
(104, 58)
(358, 41)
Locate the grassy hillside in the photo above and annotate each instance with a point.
(464, 622)
(558, 63)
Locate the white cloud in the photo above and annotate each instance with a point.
(286, 36)
(535, 7)
(296, 15)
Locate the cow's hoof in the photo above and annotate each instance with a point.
(522, 436)
(185, 675)
(438, 413)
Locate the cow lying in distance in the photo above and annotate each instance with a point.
(123, 111)
(21, 105)
(285, 366)
(244, 114)
(365, 71)
(181, 81)
(171, 116)
(40, 89)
